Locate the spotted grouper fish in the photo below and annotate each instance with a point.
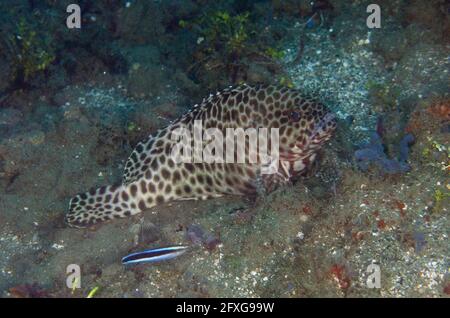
(153, 176)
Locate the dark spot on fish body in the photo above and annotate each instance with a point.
(133, 190)
(159, 199)
(261, 95)
(189, 167)
(238, 98)
(142, 205)
(151, 188)
(225, 97)
(209, 180)
(187, 189)
(168, 149)
(176, 176)
(165, 174)
(157, 151)
(134, 157)
(143, 186)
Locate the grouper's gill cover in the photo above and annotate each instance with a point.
(151, 176)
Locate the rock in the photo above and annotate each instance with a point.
(140, 23)
(36, 137)
(258, 74)
(147, 81)
(9, 117)
(390, 45)
(5, 70)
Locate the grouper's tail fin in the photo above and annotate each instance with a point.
(104, 204)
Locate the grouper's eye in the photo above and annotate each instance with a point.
(294, 116)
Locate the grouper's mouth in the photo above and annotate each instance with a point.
(308, 144)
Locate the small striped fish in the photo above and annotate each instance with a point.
(154, 255)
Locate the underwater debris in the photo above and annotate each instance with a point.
(401, 207)
(447, 289)
(232, 48)
(28, 291)
(436, 154)
(431, 114)
(439, 196)
(93, 292)
(154, 255)
(419, 241)
(195, 234)
(223, 41)
(316, 19)
(319, 13)
(198, 236)
(440, 109)
(374, 153)
(149, 233)
(32, 52)
(340, 274)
